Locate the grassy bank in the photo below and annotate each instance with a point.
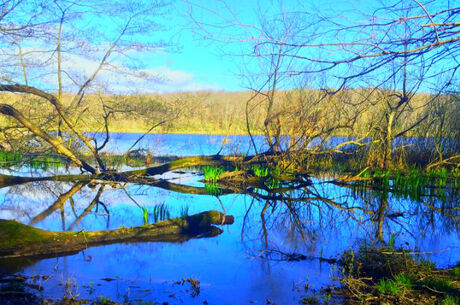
(397, 276)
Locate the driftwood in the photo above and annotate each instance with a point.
(19, 240)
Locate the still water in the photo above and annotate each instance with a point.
(243, 265)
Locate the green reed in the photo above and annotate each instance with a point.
(260, 171)
(413, 183)
(145, 216)
(212, 173)
(212, 189)
(160, 212)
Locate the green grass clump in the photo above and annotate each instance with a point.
(456, 272)
(260, 171)
(396, 286)
(438, 284)
(212, 189)
(403, 281)
(212, 173)
(388, 287)
(451, 300)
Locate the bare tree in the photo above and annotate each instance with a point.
(394, 51)
(44, 63)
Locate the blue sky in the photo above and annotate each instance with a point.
(204, 60)
(197, 64)
(208, 61)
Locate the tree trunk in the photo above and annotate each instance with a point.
(19, 240)
(62, 149)
(387, 158)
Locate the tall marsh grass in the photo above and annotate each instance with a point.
(414, 183)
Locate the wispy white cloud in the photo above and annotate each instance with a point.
(115, 77)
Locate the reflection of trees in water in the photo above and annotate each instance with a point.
(403, 214)
(303, 218)
(39, 193)
(295, 216)
(35, 202)
(307, 216)
(64, 193)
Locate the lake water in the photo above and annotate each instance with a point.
(199, 144)
(181, 144)
(240, 266)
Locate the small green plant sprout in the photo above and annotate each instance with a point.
(391, 243)
(145, 216)
(272, 183)
(451, 300)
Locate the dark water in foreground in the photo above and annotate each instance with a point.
(241, 265)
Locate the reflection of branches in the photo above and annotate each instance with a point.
(291, 209)
(278, 255)
(303, 212)
(223, 207)
(106, 211)
(58, 203)
(246, 217)
(88, 209)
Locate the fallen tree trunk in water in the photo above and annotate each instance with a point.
(18, 240)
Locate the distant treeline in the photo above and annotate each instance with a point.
(350, 113)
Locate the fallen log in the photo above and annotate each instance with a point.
(187, 162)
(138, 174)
(7, 180)
(20, 240)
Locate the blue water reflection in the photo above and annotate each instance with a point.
(229, 266)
